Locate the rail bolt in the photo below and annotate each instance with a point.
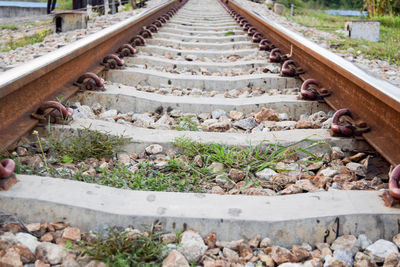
(343, 124)
(246, 26)
(311, 90)
(112, 61)
(157, 23)
(138, 41)
(163, 20)
(90, 81)
(265, 45)
(242, 22)
(288, 68)
(126, 50)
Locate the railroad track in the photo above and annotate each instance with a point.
(226, 76)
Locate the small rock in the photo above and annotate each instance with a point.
(211, 240)
(25, 254)
(109, 114)
(246, 124)
(95, 263)
(265, 243)
(40, 263)
(337, 153)
(47, 237)
(346, 242)
(236, 115)
(283, 116)
(329, 172)
(236, 175)
(154, 149)
(291, 189)
(218, 113)
(282, 255)
(266, 115)
(266, 174)
(223, 181)
(71, 233)
(83, 112)
(267, 260)
(97, 108)
(192, 246)
(198, 160)
(216, 167)
(357, 168)
(169, 238)
(124, 158)
(331, 261)
(50, 253)
(175, 259)
(344, 256)
(28, 241)
(380, 249)
(392, 260)
(255, 242)
(306, 125)
(363, 260)
(230, 255)
(11, 259)
(217, 190)
(190, 57)
(32, 227)
(364, 241)
(300, 254)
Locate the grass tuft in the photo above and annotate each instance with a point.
(228, 33)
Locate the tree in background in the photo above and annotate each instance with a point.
(382, 7)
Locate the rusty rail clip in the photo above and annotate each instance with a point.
(112, 61)
(290, 69)
(311, 90)
(126, 50)
(138, 41)
(59, 114)
(7, 175)
(90, 81)
(344, 125)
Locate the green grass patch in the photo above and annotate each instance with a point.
(186, 123)
(228, 33)
(386, 49)
(8, 27)
(119, 248)
(26, 40)
(87, 144)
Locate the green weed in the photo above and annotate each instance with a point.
(8, 27)
(228, 33)
(120, 248)
(87, 144)
(186, 123)
(26, 40)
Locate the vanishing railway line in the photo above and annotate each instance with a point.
(223, 75)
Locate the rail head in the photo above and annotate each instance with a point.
(370, 98)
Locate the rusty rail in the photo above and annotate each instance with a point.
(370, 99)
(24, 88)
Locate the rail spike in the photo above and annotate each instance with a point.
(290, 69)
(276, 55)
(90, 81)
(343, 124)
(126, 50)
(138, 41)
(112, 61)
(246, 26)
(251, 31)
(59, 114)
(157, 23)
(7, 175)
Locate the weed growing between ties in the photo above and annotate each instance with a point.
(187, 123)
(26, 40)
(124, 248)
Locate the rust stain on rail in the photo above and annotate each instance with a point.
(380, 111)
(21, 97)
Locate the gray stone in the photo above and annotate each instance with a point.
(357, 168)
(283, 116)
(331, 261)
(223, 181)
(28, 241)
(192, 246)
(346, 242)
(51, 253)
(109, 113)
(83, 112)
(246, 124)
(266, 174)
(337, 153)
(380, 249)
(266, 242)
(364, 241)
(329, 172)
(327, 124)
(175, 259)
(142, 117)
(344, 256)
(154, 149)
(230, 255)
(218, 113)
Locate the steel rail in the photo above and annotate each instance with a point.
(24, 88)
(370, 99)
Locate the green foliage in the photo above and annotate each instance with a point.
(121, 248)
(87, 144)
(228, 33)
(26, 40)
(186, 123)
(8, 27)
